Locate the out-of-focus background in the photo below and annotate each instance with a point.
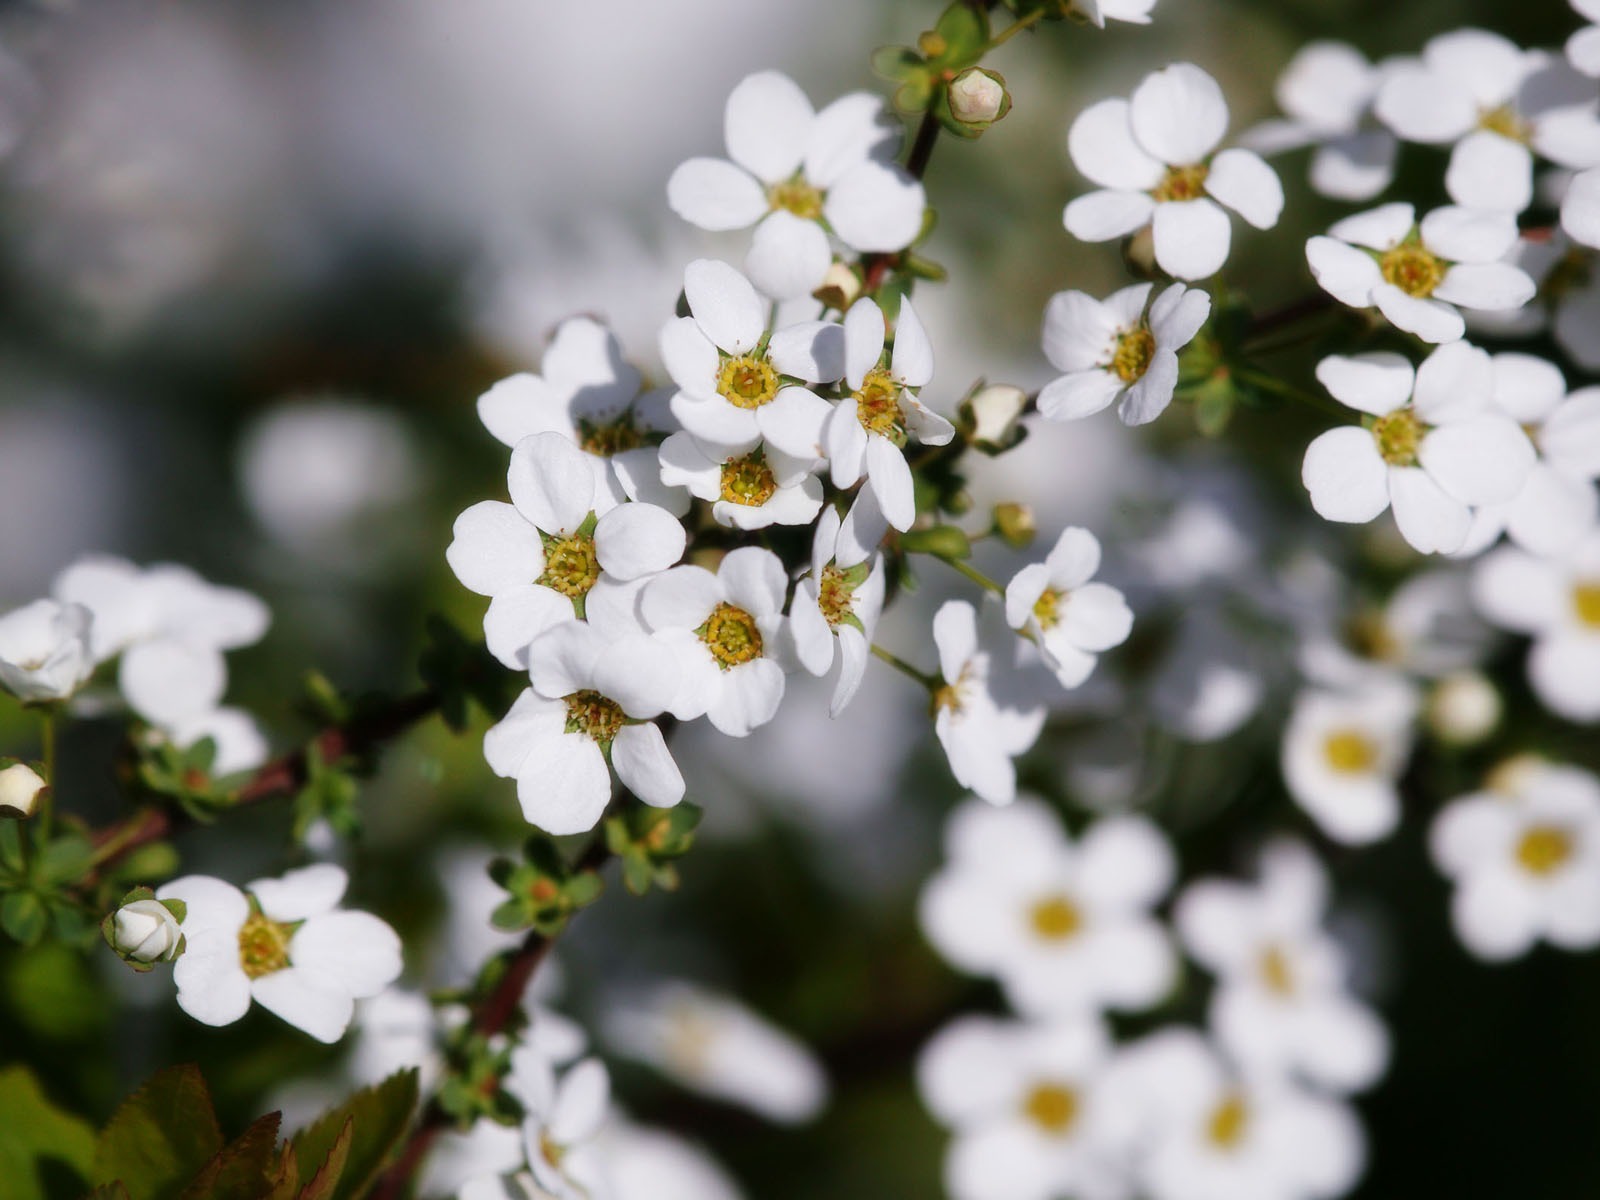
(257, 262)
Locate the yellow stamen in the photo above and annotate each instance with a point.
(878, 406)
(1052, 1108)
(747, 381)
(1412, 268)
(1543, 849)
(1055, 918)
(1349, 751)
(263, 946)
(748, 480)
(796, 196)
(1182, 183)
(1131, 358)
(1398, 435)
(1586, 602)
(590, 713)
(570, 565)
(732, 636)
(1226, 1127)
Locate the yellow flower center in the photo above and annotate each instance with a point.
(747, 381)
(1369, 635)
(732, 636)
(1349, 751)
(748, 480)
(551, 1150)
(878, 406)
(570, 565)
(796, 196)
(595, 716)
(1586, 602)
(1182, 183)
(1052, 1107)
(1398, 435)
(1047, 609)
(263, 946)
(1055, 918)
(1131, 357)
(1276, 972)
(1228, 1121)
(1543, 849)
(1506, 122)
(610, 437)
(835, 596)
(1412, 268)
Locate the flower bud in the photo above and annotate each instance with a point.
(1015, 524)
(145, 931)
(840, 287)
(1463, 708)
(20, 789)
(978, 97)
(990, 415)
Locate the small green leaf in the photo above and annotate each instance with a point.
(24, 917)
(965, 31)
(324, 1184)
(945, 541)
(241, 1170)
(368, 1126)
(160, 1136)
(66, 859)
(33, 1131)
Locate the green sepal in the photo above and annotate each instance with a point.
(648, 842)
(544, 891)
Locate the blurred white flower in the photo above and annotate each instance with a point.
(980, 734)
(1463, 708)
(836, 605)
(1580, 209)
(1583, 47)
(20, 788)
(564, 1115)
(44, 650)
(1072, 618)
(651, 1164)
(1342, 755)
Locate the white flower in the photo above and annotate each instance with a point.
(44, 651)
(146, 930)
(980, 735)
(396, 1029)
(866, 432)
(836, 604)
(1097, 12)
(1281, 1004)
(1065, 927)
(285, 945)
(592, 703)
(1497, 104)
(1583, 47)
(546, 557)
(238, 741)
(1527, 867)
(1342, 753)
(1463, 708)
(1420, 276)
(1430, 448)
(749, 486)
(1326, 91)
(994, 411)
(795, 169)
(1556, 601)
(1070, 618)
(1214, 1135)
(1153, 155)
(1580, 209)
(1025, 1105)
(590, 395)
(731, 370)
(712, 1044)
(1557, 505)
(564, 1117)
(650, 1164)
(1111, 350)
(20, 787)
(725, 630)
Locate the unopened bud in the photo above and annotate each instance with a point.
(1015, 524)
(20, 789)
(145, 931)
(990, 415)
(945, 541)
(840, 287)
(1463, 708)
(978, 97)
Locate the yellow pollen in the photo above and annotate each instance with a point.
(748, 480)
(570, 565)
(1349, 751)
(610, 437)
(835, 597)
(1052, 1108)
(1398, 435)
(747, 381)
(1412, 268)
(1505, 121)
(1543, 849)
(591, 714)
(1586, 602)
(1228, 1121)
(550, 1150)
(1182, 183)
(1055, 918)
(263, 946)
(796, 196)
(1131, 358)
(1275, 972)
(878, 406)
(1047, 609)
(732, 636)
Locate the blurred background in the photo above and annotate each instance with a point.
(257, 262)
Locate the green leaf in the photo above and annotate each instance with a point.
(160, 1137)
(147, 864)
(23, 916)
(946, 541)
(965, 31)
(66, 859)
(242, 1169)
(324, 1185)
(53, 993)
(34, 1131)
(368, 1124)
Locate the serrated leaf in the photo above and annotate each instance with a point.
(242, 1169)
(160, 1136)
(33, 1131)
(370, 1123)
(285, 1181)
(325, 1183)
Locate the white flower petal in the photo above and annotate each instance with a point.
(1178, 114)
(564, 785)
(749, 697)
(353, 950)
(853, 653)
(767, 122)
(306, 1001)
(645, 765)
(1468, 235)
(1491, 287)
(811, 350)
(788, 256)
(714, 194)
(494, 549)
(890, 476)
(1356, 168)
(1191, 238)
(307, 892)
(1483, 460)
(1490, 171)
(1124, 864)
(1102, 216)
(551, 482)
(864, 333)
(633, 540)
(1431, 320)
(507, 743)
(1242, 181)
(793, 422)
(912, 361)
(682, 598)
(1378, 228)
(1342, 271)
(519, 615)
(1376, 383)
(167, 681)
(561, 660)
(689, 356)
(1080, 394)
(852, 128)
(876, 207)
(640, 673)
(1580, 209)
(1347, 478)
(725, 305)
(1420, 108)
(1103, 149)
(1431, 520)
(955, 633)
(1095, 617)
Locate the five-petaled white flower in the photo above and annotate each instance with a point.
(546, 557)
(1113, 351)
(1497, 104)
(726, 629)
(837, 603)
(1421, 276)
(867, 431)
(1526, 867)
(1431, 447)
(980, 735)
(750, 486)
(592, 703)
(1070, 618)
(564, 1116)
(1153, 155)
(1580, 209)
(1342, 755)
(44, 650)
(1065, 927)
(282, 943)
(795, 169)
(1282, 1004)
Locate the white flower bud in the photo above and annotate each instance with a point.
(977, 97)
(995, 410)
(840, 287)
(146, 930)
(20, 788)
(1463, 708)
